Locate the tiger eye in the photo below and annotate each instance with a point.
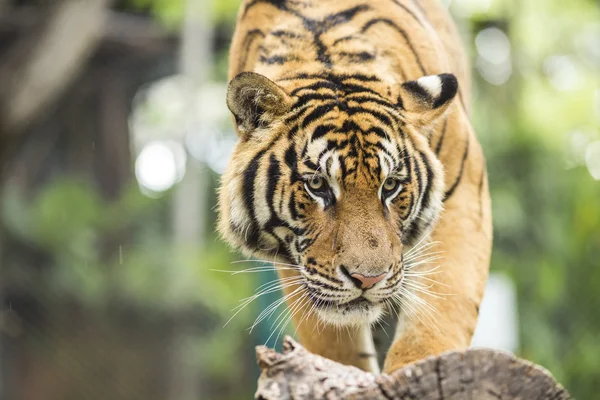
(390, 184)
(316, 182)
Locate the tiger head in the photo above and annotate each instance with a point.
(336, 179)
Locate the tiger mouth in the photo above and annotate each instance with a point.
(356, 311)
(358, 303)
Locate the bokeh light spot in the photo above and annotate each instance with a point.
(494, 61)
(493, 45)
(563, 72)
(160, 165)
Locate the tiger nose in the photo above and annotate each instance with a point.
(366, 282)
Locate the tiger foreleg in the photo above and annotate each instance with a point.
(440, 306)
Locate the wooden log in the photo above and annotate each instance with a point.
(478, 374)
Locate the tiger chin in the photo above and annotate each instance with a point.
(338, 174)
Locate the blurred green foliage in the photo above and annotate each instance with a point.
(69, 220)
(147, 273)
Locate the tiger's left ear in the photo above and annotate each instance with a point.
(255, 101)
(426, 99)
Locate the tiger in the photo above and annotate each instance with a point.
(356, 166)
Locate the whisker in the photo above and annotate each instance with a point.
(421, 256)
(425, 278)
(253, 270)
(281, 280)
(425, 248)
(418, 245)
(431, 271)
(407, 307)
(382, 328)
(419, 300)
(268, 262)
(413, 264)
(410, 304)
(267, 312)
(270, 289)
(299, 308)
(248, 300)
(437, 295)
(288, 313)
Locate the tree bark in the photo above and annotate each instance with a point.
(479, 374)
(42, 62)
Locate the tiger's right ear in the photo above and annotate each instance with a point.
(255, 101)
(426, 99)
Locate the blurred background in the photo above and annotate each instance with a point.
(113, 133)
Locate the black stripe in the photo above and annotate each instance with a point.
(363, 98)
(332, 77)
(354, 88)
(481, 180)
(408, 10)
(321, 131)
(287, 34)
(379, 132)
(421, 187)
(378, 115)
(291, 160)
(277, 60)
(316, 86)
(438, 147)
(305, 98)
(391, 23)
(342, 39)
(460, 173)
(293, 130)
(248, 195)
(297, 115)
(341, 17)
(382, 148)
(293, 210)
(417, 90)
(429, 175)
(311, 165)
(316, 113)
(248, 39)
(273, 174)
(325, 285)
(359, 57)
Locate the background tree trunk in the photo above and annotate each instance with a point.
(479, 374)
(38, 66)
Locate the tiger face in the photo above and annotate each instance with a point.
(337, 180)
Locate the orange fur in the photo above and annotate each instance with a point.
(335, 89)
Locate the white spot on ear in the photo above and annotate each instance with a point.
(432, 84)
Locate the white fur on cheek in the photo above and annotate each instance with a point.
(432, 84)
